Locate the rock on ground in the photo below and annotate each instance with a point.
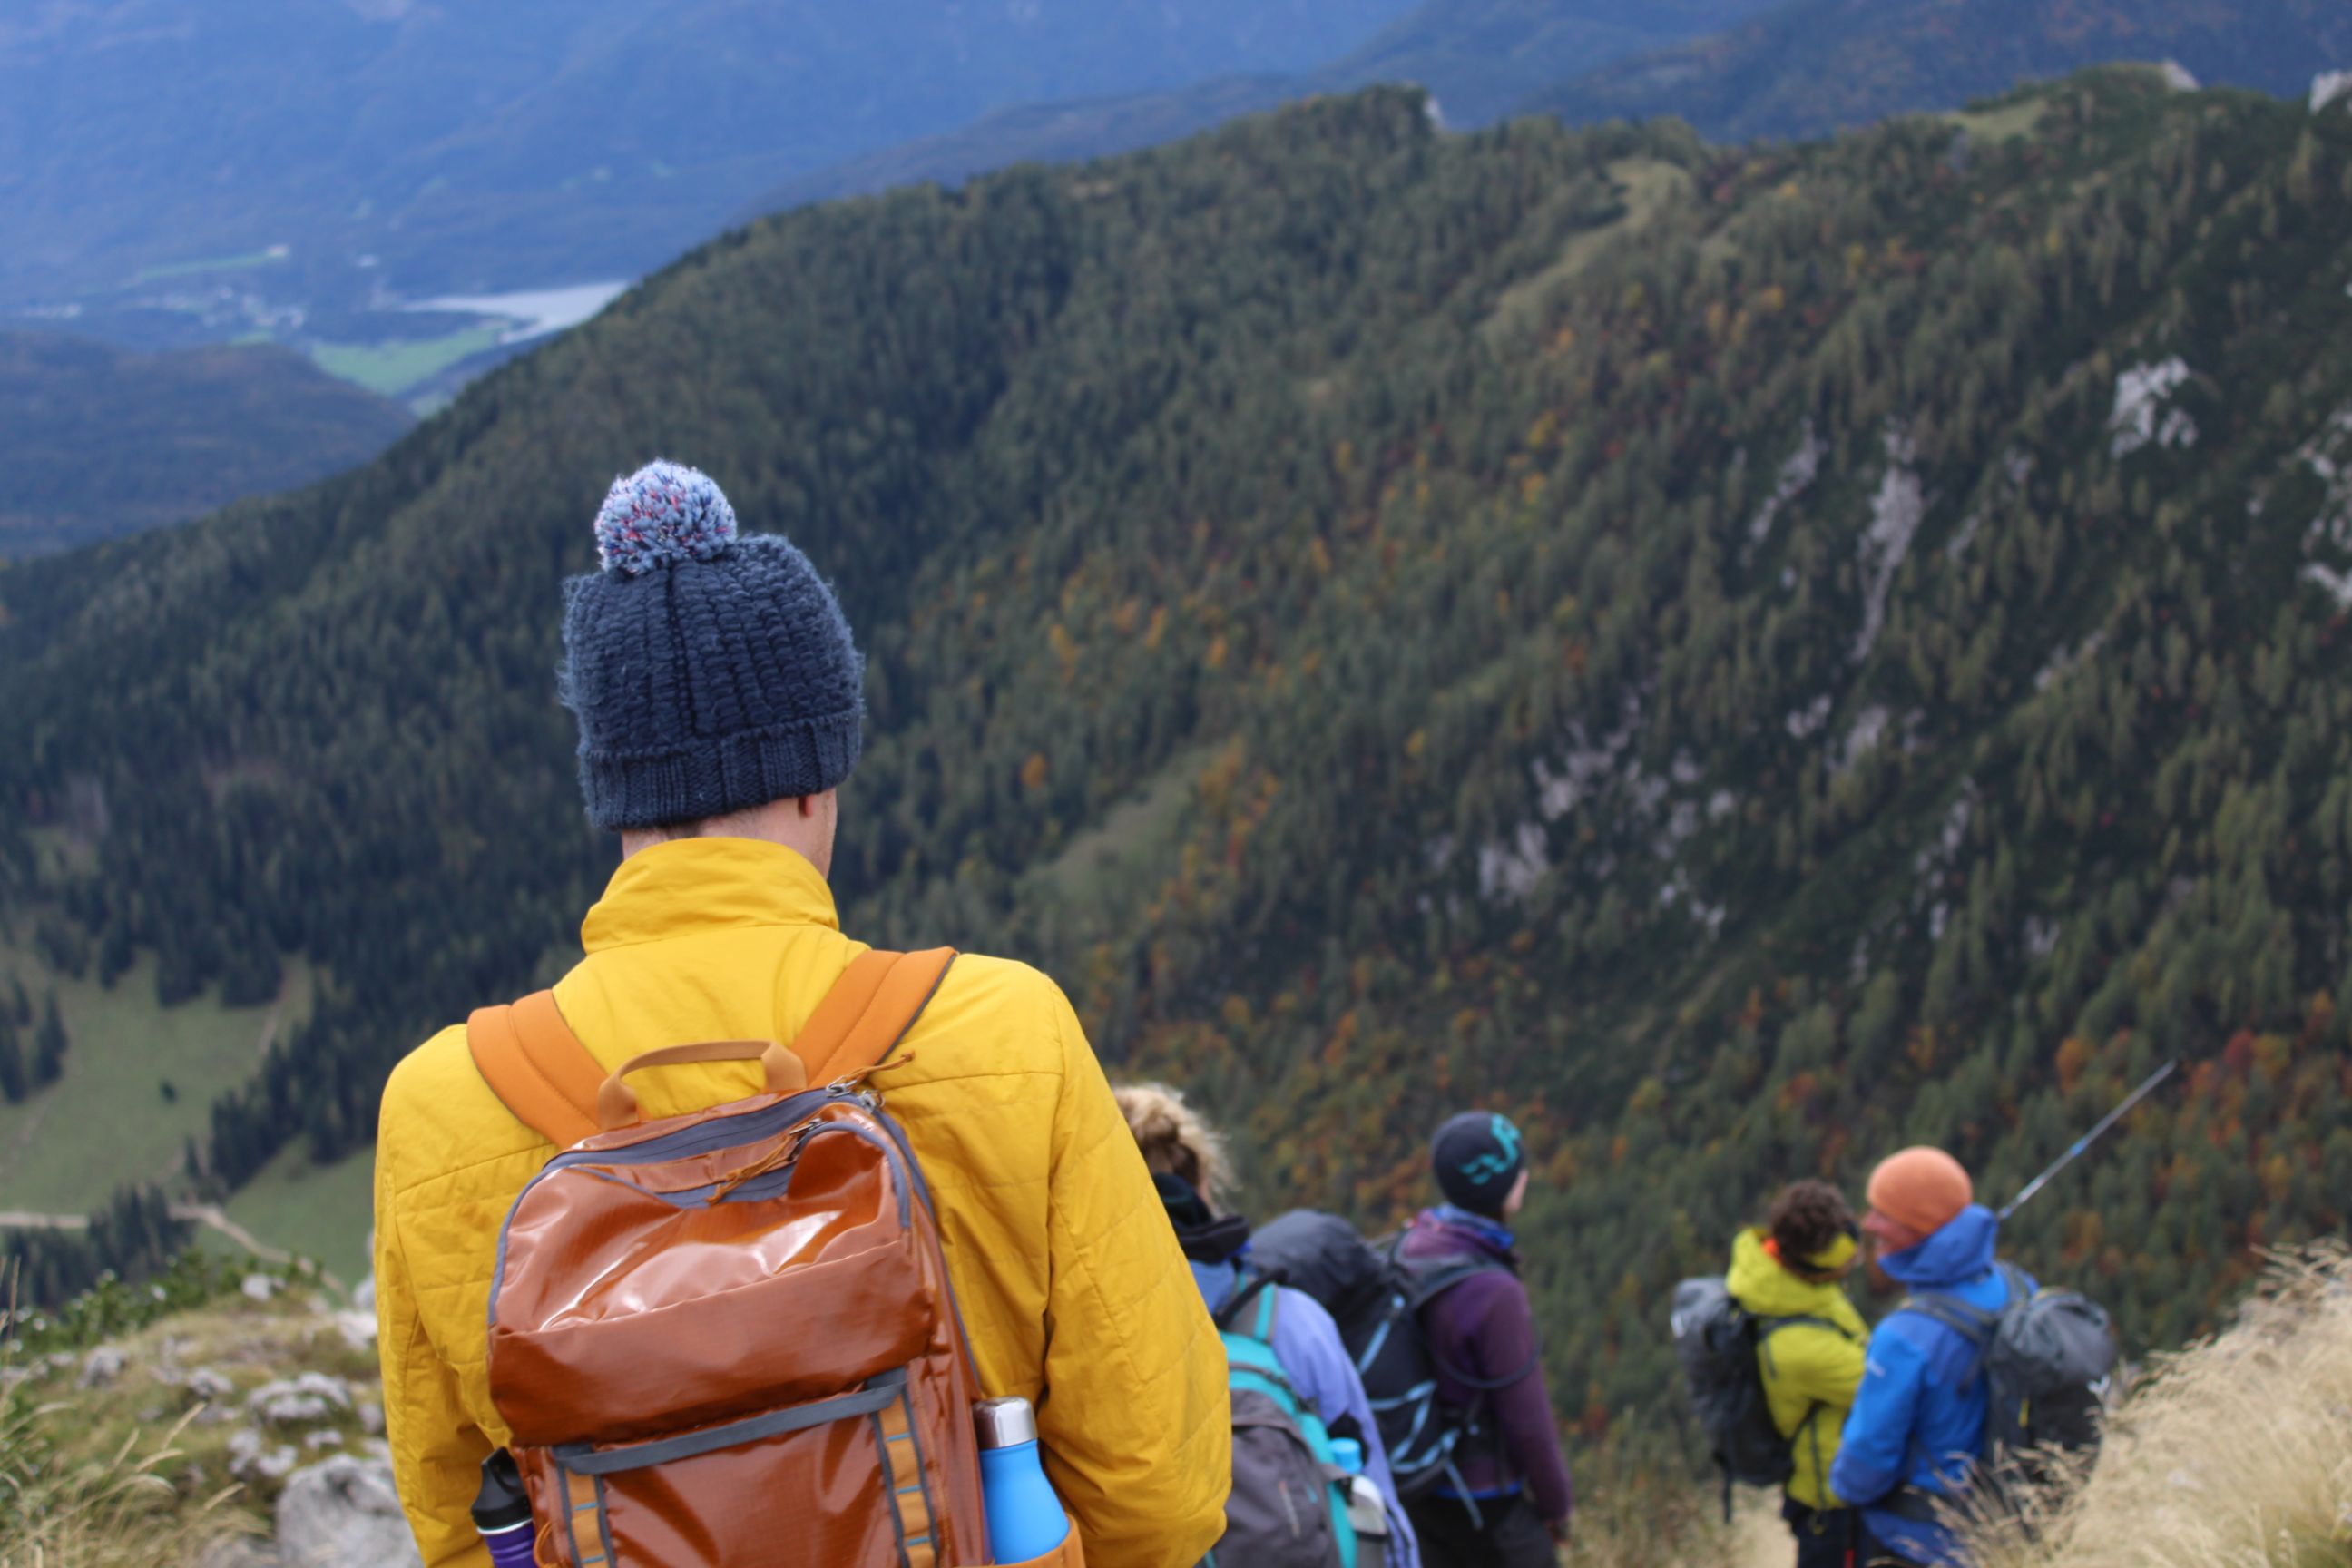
(343, 1513)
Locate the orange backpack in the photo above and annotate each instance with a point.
(729, 1337)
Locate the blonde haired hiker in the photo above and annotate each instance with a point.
(1188, 1166)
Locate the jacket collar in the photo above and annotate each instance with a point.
(1957, 1253)
(692, 884)
(1759, 1282)
(1479, 1232)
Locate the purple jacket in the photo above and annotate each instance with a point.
(1481, 1326)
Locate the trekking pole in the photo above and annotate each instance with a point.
(2087, 1138)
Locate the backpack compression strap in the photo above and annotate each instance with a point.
(540, 1070)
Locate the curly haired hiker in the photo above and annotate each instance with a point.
(1187, 1159)
(1790, 1276)
(1918, 1419)
(718, 696)
(1507, 1505)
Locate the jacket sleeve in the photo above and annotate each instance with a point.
(436, 1451)
(1523, 1413)
(1135, 1420)
(1874, 1453)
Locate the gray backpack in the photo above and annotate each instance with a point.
(2045, 1357)
(1720, 1345)
(1291, 1507)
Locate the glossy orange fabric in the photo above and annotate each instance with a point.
(642, 1301)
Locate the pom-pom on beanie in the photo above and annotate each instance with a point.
(1477, 1159)
(710, 672)
(1921, 1189)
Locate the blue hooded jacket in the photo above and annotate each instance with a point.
(1918, 1419)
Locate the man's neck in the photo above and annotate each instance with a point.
(808, 833)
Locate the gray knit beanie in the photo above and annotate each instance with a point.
(710, 673)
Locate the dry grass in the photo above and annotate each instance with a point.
(114, 1511)
(2235, 1453)
(135, 1473)
(1633, 1517)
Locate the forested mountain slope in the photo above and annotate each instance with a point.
(98, 442)
(1808, 68)
(1741, 659)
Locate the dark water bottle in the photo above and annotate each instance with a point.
(502, 1512)
(1024, 1518)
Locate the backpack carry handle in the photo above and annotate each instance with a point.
(616, 1102)
(529, 1056)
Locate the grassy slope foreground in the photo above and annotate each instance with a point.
(2237, 1450)
(1741, 657)
(99, 442)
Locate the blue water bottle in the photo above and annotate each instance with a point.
(502, 1513)
(1024, 1518)
(1349, 1455)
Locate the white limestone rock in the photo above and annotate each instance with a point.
(343, 1513)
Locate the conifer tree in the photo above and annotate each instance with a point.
(49, 1042)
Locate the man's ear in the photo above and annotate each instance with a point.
(807, 805)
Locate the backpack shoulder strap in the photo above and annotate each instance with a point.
(1972, 1323)
(870, 1010)
(540, 1071)
(538, 1067)
(1254, 1287)
(1766, 1327)
(1431, 1282)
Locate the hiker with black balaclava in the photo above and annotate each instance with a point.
(1507, 1503)
(1188, 1162)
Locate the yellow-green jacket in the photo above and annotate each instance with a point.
(1070, 1281)
(1809, 1372)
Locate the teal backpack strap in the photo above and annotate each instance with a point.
(1268, 1299)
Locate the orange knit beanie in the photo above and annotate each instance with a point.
(1921, 1189)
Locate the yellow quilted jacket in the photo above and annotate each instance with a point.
(1068, 1275)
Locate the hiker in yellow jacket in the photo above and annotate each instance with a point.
(716, 692)
(1793, 1270)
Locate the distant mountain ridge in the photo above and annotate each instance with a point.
(529, 141)
(96, 443)
(1814, 67)
(1477, 60)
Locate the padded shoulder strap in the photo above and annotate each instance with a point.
(538, 1067)
(1250, 1288)
(1432, 1281)
(1971, 1323)
(1766, 1327)
(870, 1010)
(540, 1070)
